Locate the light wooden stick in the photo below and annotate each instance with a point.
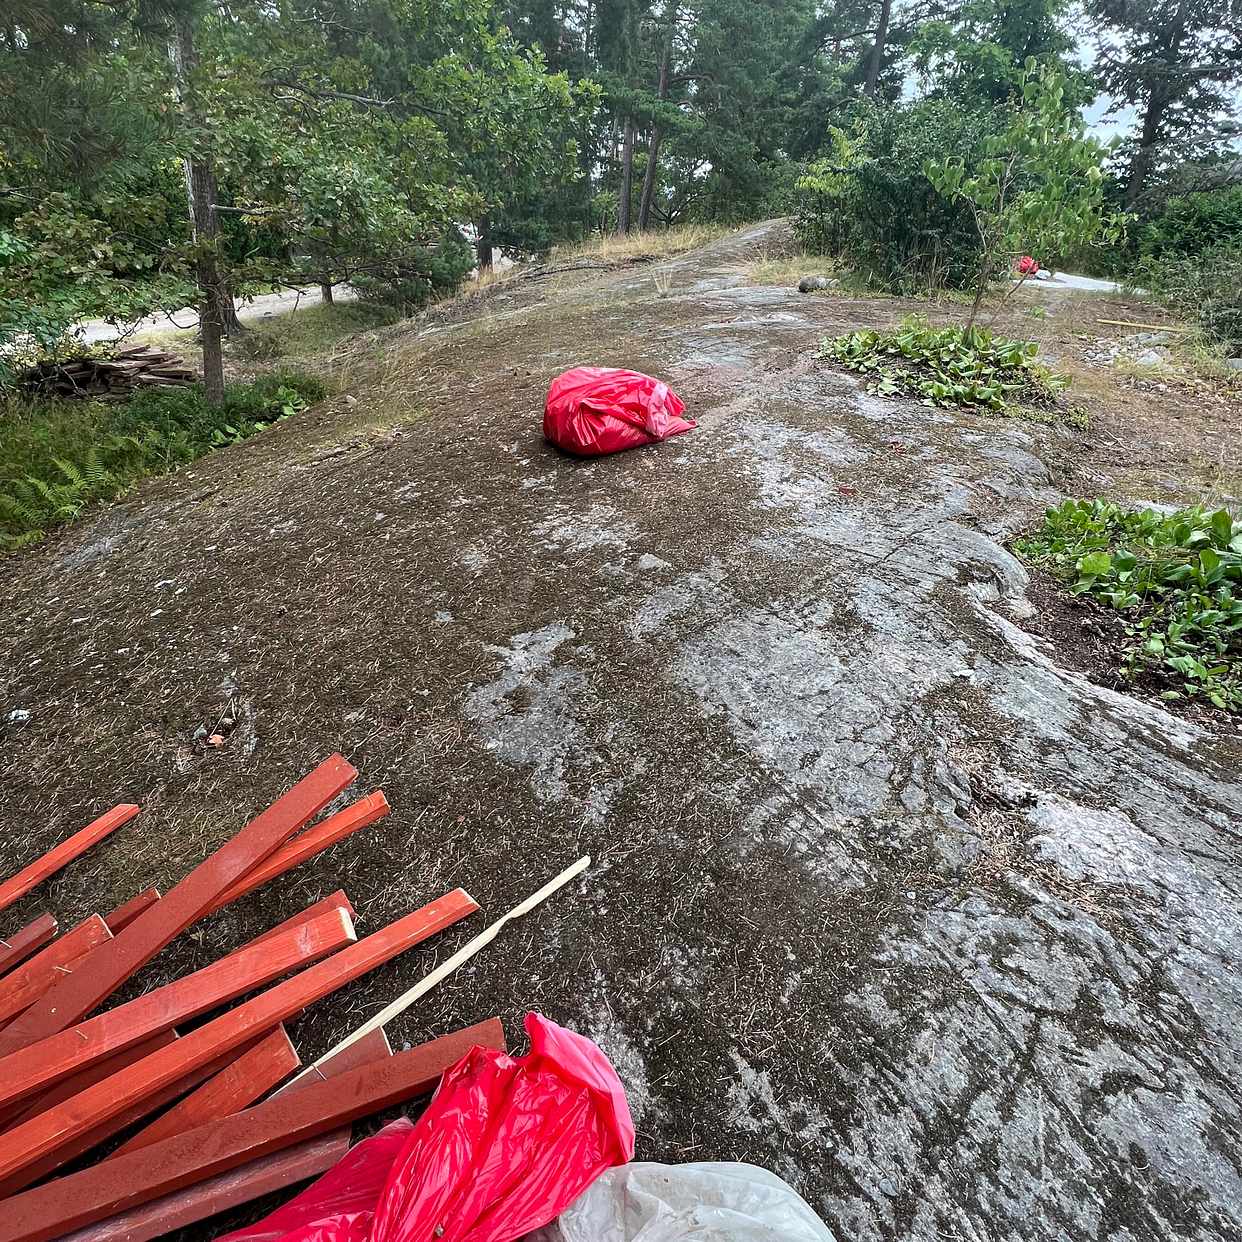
(446, 968)
(1130, 323)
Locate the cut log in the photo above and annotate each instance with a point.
(21, 944)
(82, 992)
(42, 973)
(237, 1086)
(64, 853)
(306, 845)
(94, 1194)
(279, 1171)
(125, 914)
(38, 1066)
(34, 1140)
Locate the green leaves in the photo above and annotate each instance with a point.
(948, 366)
(1175, 579)
(1041, 191)
(1094, 564)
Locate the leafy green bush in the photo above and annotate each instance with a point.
(416, 280)
(1190, 224)
(56, 457)
(1205, 289)
(871, 205)
(1175, 580)
(947, 366)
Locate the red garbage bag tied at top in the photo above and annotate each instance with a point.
(505, 1145)
(595, 410)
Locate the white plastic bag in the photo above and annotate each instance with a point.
(646, 1202)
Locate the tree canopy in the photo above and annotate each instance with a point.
(157, 153)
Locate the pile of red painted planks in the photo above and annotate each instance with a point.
(187, 1095)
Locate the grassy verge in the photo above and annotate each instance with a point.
(57, 457)
(303, 337)
(1172, 582)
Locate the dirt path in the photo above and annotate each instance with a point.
(884, 900)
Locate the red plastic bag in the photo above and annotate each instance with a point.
(342, 1200)
(595, 410)
(1027, 266)
(504, 1146)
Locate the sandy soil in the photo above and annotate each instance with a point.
(886, 898)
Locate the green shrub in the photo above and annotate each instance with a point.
(948, 366)
(1204, 289)
(1175, 580)
(57, 457)
(429, 273)
(1189, 224)
(871, 205)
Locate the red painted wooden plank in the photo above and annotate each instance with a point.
(69, 849)
(334, 901)
(237, 1086)
(282, 1170)
(42, 973)
(71, 1000)
(83, 1198)
(279, 1171)
(93, 1073)
(83, 1142)
(21, 944)
(33, 1068)
(35, 1139)
(372, 1047)
(314, 840)
(125, 914)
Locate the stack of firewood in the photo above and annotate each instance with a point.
(114, 378)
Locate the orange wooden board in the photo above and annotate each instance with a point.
(314, 840)
(125, 914)
(86, 1139)
(40, 974)
(243, 1081)
(38, 1066)
(92, 1195)
(30, 939)
(35, 1139)
(279, 1171)
(69, 849)
(81, 993)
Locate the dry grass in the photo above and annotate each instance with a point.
(637, 247)
(788, 269)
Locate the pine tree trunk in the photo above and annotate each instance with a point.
(325, 292)
(627, 178)
(230, 324)
(200, 185)
(877, 50)
(483, 244)
(1153, 115)
(649, 180)
(1145, 155)
(653, 147)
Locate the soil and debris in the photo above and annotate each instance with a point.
(887, 898)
